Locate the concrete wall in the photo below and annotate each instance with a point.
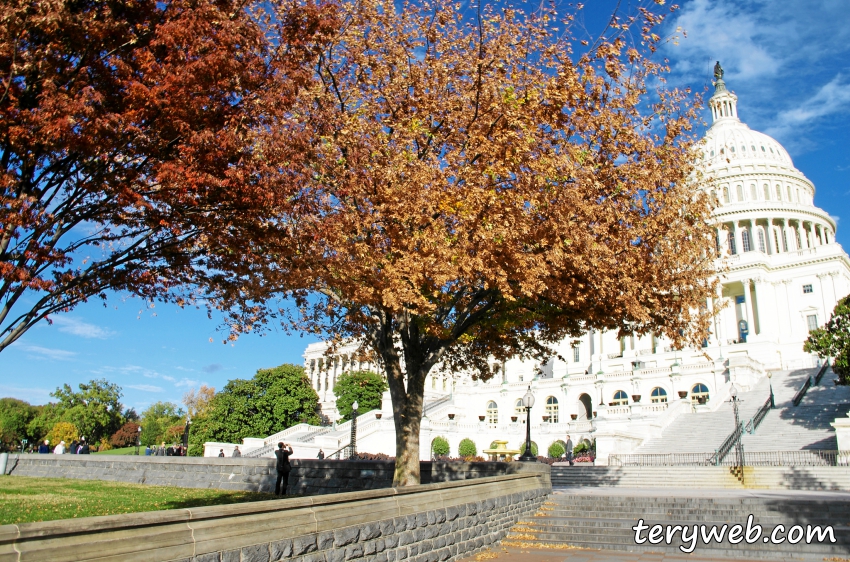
(427, 523)
(309, 477)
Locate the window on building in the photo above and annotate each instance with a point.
(620, 398)
(726, 195)
(519, 411)
(658, 396)
(778, 193)
(745, 240)
(788, 192)
(807, 289)
(552, 409)
(812, 321)
(784, 241)
(766, 193)
(740, 191)
(731, 242)
(797, 239)
(445, 383)
(753, 194)
(576, 355)
(762, 247)
(699, 394)
(492, 413)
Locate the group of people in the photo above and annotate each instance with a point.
(80, 447)
(163, 451)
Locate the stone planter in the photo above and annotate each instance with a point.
(513, 419)
(451, 416)
(594, 414)
(635, 398)
(378, 415)
(683, 394)
(574, 417)
(481, 418)
(545, 419)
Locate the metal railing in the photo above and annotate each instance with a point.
(823, 369)
(757, 418)
(802, 392)
(805, 457)
(727, 445)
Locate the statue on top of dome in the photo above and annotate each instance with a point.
(718, 71)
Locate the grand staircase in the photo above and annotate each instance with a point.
(786, 428)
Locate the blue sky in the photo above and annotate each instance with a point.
(788, 62)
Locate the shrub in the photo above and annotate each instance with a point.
(533, 448)
(125, 436)
(581, 448)
(556, 450)
(63, 431)
(467, 448)
(440, 446)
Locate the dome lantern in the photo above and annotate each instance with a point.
(723, 104)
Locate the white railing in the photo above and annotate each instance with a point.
(703, 366)
(656, 407)
(299, 428)
(655, 371)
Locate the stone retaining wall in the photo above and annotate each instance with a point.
(427, 523)
(308, 477)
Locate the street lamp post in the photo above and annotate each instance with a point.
(739, 446)
(353, 447)
(138, 439)
(527, 403)
(772, 400)
(186, 436)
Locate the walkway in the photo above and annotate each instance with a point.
(517, 554)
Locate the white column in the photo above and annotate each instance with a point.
(737, 234)
(768, 232)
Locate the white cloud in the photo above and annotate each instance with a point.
(836, 218)
(832, 98)
(47, 353)
(71, 325)
(187, 383)
(145, 387)
(33, 395)
(212, 368)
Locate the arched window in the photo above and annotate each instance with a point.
(699, 394)
(762, 248)
(492, 413)
(745, 239)
(740, 190)
(519, 411)
(730, 240)
(778, 193)
(552, 409)
(788, 191)
(620, 398)
(766, 192)
(726, 195)
(753, 193)
(658, 396)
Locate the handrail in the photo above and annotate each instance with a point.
(823, 369)
(803, 457)
(721, 452)
(802, 392)
(754, 422)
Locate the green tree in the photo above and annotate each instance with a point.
(43, 420)
(95, 409)
(440, 446)
(467, 448)
(15, 415)
(273, 400)
(533, 448)
(556, 450)
(365, 387)
(833, 340)
(63, 431)
(156, 420)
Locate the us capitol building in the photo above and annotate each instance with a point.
(784, 273)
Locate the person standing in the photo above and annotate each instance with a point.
(321, 455)
(59, 449)
(283, 468)
(569, 450)
(238, 453)
(44, 448)
(73, 448)
(84, 448)
(221, 452)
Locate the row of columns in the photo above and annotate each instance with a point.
(786, 236)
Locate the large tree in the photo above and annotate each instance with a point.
(271, 401)
(364, 387)
(94, 409)
(833, 340)
(15, 415)
(126, 140)
(474, 189)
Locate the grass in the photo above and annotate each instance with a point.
(122, 451)
(25, 499)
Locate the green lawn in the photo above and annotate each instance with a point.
(25, 499)
(122, 451)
